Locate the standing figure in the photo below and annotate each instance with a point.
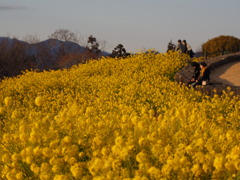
(188, 49)
(180, 47)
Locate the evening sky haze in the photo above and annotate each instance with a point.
(137, 24)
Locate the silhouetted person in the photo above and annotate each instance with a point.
(204, 76)
(188, 49)
(180, 47)
(171, 46)
(196, 73)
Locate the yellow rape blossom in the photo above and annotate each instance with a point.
(117, 119)
(8, 101)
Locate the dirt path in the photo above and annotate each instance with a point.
(227, 74)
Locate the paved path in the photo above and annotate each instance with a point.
(227, 74)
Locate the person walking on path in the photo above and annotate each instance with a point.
(180, 47)
(188, 49)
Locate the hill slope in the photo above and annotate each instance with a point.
(17, 56)
(116, 118)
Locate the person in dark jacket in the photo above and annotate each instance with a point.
(180, 47)
(196, 74)
(204, 76)
(189, 50)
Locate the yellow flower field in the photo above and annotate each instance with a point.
(116, 119)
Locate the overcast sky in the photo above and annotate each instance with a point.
(137, 24)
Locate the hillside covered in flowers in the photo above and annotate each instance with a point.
(116, 119)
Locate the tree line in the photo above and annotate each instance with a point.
(61, 50)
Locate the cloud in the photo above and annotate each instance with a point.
(7, 8)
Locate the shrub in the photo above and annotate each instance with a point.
(221, 45)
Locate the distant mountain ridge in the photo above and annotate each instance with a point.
(17, 55)
(53, 44)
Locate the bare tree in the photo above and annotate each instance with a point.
(64, 35)
(31, 39)
(14, 58)
(103, 44)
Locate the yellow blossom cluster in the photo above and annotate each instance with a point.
(116, 119)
